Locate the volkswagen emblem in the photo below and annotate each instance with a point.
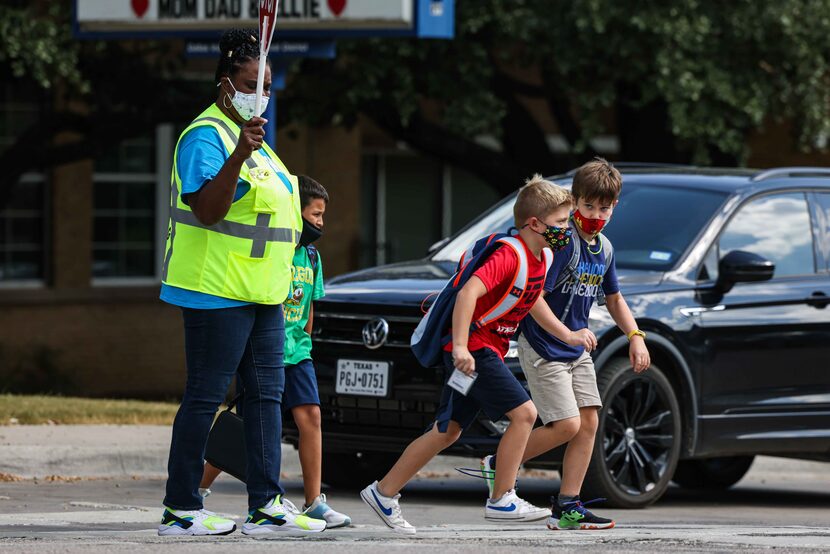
(375, 333)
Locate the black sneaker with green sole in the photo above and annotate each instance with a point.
(573, 516)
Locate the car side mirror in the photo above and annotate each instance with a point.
(438, 245)
(742, 267)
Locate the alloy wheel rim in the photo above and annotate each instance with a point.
(638, 436)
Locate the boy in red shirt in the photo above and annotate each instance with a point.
(541, 214)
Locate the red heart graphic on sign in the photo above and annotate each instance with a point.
(140, 7)
(337, 6)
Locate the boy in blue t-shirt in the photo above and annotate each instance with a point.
(301, 396)
(561, 377)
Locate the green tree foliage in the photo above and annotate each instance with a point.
(95, 94)
(34, 45)
(676, 81)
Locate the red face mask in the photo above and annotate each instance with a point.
(590, 226)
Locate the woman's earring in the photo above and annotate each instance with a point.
(226, 101)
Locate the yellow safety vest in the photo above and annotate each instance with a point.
(247, 256)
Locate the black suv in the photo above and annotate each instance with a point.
(728, 271)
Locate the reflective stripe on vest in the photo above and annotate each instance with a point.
(260, 233)
(514, 293)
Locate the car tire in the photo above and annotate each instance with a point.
(712, 474)
(638, 438)
(354, 471)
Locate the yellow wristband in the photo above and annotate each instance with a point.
(636, 332)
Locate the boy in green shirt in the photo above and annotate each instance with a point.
(301, 395)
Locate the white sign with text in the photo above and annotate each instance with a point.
(170, 15)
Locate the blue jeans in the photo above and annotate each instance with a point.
(219, 344)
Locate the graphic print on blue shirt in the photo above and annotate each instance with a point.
(585, 285)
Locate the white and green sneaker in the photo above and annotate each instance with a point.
(194, 522)
(280, 517)
(319, 509)
(488, 472)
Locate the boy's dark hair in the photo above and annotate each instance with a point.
(597, 180)
(236, 47)
(311, 189)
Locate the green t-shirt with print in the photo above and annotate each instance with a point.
(307, 284)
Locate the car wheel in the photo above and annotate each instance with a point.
(638, 437)
(712, 473)
(354, 471)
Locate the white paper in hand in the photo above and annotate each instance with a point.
(462, 382)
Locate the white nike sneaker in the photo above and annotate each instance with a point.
(280, 517)
(194, 522)
(319, 509)
(512, 508)
(387, 508)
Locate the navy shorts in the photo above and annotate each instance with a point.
(496, 391)
(300, 385)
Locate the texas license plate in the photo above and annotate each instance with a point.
(363, 378)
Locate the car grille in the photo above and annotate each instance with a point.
(347, 329)
(340, 412)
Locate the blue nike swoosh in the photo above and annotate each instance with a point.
(387, 511)
(503, 508)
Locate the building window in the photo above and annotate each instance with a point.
(22, 233)
(23, 221)
(416, 201)
(129, 209)
(123, 242)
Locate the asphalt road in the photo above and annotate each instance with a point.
(781, 504)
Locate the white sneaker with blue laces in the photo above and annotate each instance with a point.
(319, 509)
(387, 508)
(512, 508)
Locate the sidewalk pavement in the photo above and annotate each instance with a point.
(84, 450)
(112, 451)
(118, 451)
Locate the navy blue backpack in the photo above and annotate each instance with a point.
(432, 333)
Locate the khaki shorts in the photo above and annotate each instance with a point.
(559, 389)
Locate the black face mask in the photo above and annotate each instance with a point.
(310, 233)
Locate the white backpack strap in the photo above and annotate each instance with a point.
(514, 293)
(547, 254)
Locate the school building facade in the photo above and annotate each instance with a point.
(81, 244)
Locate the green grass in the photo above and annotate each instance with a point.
(38, 410)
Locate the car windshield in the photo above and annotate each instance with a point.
(651, 227)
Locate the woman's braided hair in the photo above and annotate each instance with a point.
(236, 47)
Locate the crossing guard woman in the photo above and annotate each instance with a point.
(235, 219)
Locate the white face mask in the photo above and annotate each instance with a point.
(245, 104)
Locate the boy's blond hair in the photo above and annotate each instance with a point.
(597, 180)
(538, 198)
